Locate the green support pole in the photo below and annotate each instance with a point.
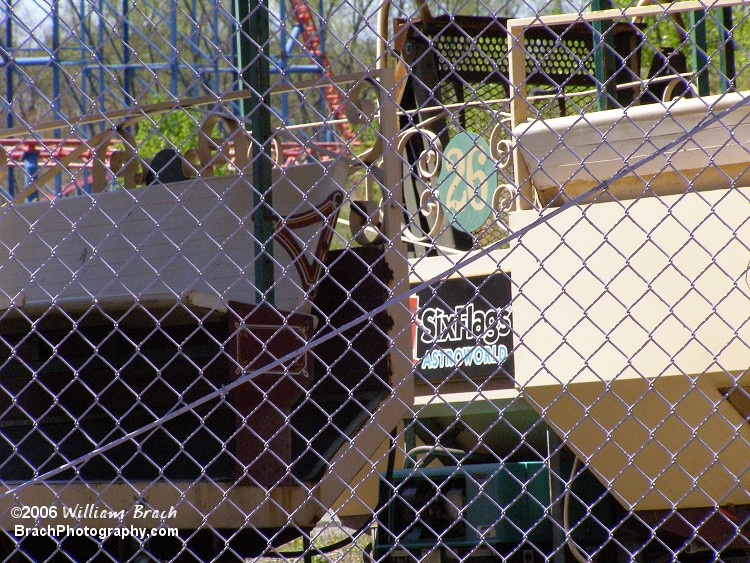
(603, 61)
(699, 58)
(252, 49)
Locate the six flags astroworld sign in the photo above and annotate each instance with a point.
(463, 324)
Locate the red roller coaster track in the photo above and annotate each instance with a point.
(311, 42)
(50, 151)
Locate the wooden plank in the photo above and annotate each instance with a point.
(574, 153)
(517, 65)
(165, 240)
(356, 453)
(621, 13)
(259, 335)
(128, 116)
(49, 175)
(519, 110)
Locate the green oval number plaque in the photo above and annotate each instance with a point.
(467, 181)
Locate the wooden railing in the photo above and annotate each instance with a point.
(113, 153)
(517, 29)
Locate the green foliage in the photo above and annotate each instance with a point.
(741, 36)
(177, 128)
(677, 33)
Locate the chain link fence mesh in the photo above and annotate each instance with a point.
(362, 281)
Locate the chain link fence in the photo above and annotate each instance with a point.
(359, 281)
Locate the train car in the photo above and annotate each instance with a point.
(146, 369)
(621, 203)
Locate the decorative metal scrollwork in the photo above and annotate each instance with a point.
(504, 198)
(124, 163)
(502, 148)
(427, 168)
(213, 151)
(429, 176)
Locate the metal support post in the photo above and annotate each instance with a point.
(603, 59)
(252, 19)
(726, 51)
(697, 22)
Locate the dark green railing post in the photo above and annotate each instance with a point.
(726, 52)
(697, 22)
(603, 60)
(253, 63)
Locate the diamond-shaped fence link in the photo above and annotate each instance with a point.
(363, 281)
